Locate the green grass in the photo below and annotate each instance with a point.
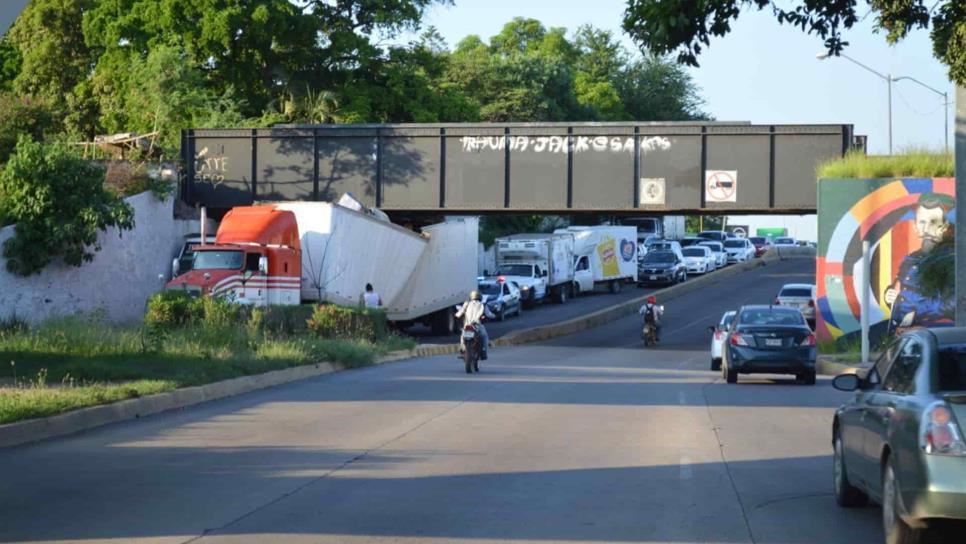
(911, 163)
(97, 363)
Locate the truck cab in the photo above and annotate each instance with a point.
(255, 260)
(531, 278)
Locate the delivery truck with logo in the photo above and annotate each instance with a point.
(324, 252)
(604, 256)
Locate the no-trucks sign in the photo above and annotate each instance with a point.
(721, 186)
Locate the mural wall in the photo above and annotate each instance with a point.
(901, 218)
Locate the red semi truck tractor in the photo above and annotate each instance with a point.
(323, 252)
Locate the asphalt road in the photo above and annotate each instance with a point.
(546, 313)
(586, 439)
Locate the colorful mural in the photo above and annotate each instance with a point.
(901, 218)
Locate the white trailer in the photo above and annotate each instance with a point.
(541, 264)
(674, 227)
(603, 255)
(420, 277)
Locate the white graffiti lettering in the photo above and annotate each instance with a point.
(210, 169)
(560, 144)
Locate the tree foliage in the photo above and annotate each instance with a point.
(59, 204)
(685, 26)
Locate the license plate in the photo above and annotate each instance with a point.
(468, 335)
(773, 342)
(653, 278)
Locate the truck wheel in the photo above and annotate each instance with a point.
(615, 286)
(443, 322)
(561, 295)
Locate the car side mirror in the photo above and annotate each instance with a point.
(711, 329)
(847, 382)
(175, 268)
(263, 264)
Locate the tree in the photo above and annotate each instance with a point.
(59, 204)
(664, 26)
(653, 89)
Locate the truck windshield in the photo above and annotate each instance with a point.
(218, 260)
(515, 270)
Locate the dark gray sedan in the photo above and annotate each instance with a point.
(899, 441)
(769, 340)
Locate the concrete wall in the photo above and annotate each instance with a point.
(118, 280)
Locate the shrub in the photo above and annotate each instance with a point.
(168, 309)
(13, 324)
(331, 321)
(59, 204)
(280, 321)
(910, 163)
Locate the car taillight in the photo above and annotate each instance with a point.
(717, 336)
(811, 304)
(939, 433)
(470, 328)
(738, 340)
(777, 302)
(809, 340)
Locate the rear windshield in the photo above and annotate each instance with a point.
(660, 257)
(952, 368)
(734, 243)
(713, 246)
(795, 292)
(692, 252)
(757, 240)
(772, 316)
(491, 289)
(784, 241)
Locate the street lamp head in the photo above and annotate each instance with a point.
(822, 56)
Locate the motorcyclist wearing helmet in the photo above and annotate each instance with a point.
(473, 312)
(652, 313)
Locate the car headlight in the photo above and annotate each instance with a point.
(525, 288)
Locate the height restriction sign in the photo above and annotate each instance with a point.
(721, 186)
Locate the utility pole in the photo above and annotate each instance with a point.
(960, 206)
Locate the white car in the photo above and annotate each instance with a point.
(739, 250)
(699, 259)
(719, 334)
(667, 245)
(721, 257)
(798, 295)
(784, 242)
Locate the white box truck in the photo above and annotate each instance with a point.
(541, 264)
(323, 252)
(603, 256)
(674, 227)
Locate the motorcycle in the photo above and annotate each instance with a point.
(472, 348)
(649, 331)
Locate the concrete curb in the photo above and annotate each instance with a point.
(32, 430)
(429, 350)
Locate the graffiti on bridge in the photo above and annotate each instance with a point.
(559, 144)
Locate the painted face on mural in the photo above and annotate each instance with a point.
(930, 225)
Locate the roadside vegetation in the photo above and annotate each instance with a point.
(911, 163)
(73, 362)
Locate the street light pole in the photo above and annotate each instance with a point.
(887, 77)
(945, 97)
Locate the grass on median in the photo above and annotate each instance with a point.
(89, 362)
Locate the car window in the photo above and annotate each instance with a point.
(583, 263)
(796, 292)
(726, 320)
(693, 252)
(952, 367)
(771, 316)
(902, 374)
(885, 361)
(506, 289)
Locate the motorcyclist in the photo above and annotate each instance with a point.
(652, 313)
(472, 313)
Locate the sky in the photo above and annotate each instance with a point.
(764, 72)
